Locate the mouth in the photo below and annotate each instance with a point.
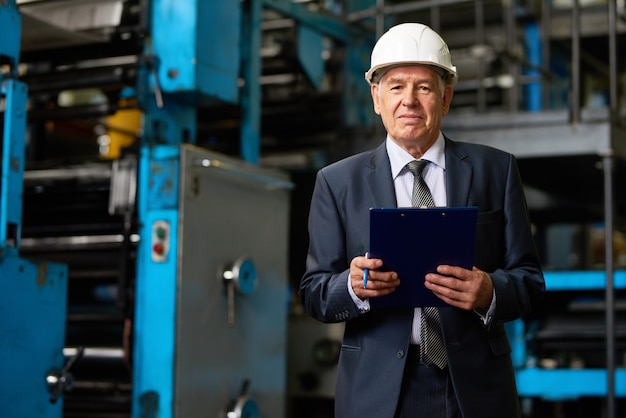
(410, 118)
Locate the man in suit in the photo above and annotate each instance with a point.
(382, 373)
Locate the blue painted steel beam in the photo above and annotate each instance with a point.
(564, 384)
(155, 300)
(326, 24)
(11, 25)
(33, 296)
(15, 94)
(310, 48)
(165, 129)
(582, 280)
(11, 184)
(357, 103)
(251, 92)
(532, 43)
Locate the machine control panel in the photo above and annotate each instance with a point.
(160, 241)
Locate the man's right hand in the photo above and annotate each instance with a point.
(379, 283)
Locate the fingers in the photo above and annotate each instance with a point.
(358, 268)
(362, 262)
(378, 283)
(463, 288)
(455, 271)
(378, 280)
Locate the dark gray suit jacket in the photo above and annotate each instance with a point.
(375, 343)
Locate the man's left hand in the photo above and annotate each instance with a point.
(465, 289)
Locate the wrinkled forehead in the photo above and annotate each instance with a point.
(412, 71)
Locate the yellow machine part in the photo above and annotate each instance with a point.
(123, 129)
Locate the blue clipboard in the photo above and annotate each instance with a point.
(413, 242)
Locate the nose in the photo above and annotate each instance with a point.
(409, 98)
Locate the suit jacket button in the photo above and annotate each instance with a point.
(400, 353)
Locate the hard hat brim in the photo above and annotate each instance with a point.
(374, 74)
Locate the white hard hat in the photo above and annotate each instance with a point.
(410, 44)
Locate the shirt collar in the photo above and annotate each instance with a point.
(398, 157)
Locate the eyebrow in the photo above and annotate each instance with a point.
(392, 80)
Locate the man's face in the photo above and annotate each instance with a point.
(411, 104)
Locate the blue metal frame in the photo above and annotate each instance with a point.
(193, 59)
(312, 28)
(532, 89)
(310, 48)
(326, 24)
(167, 124)
(566, 384)
(11, 24)
(16, 95)
(33, 296)
(563, 384)
(582, 280)
(251, 91)
(155, 300)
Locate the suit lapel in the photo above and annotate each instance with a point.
(378, 178)
(458, 175)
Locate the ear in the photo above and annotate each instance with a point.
(447, 99)
(375, 98)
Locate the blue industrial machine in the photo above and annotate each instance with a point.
(211, 302)
(32, 294)
(211, 305)
(211, 294)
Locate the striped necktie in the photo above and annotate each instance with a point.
(432, 348)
